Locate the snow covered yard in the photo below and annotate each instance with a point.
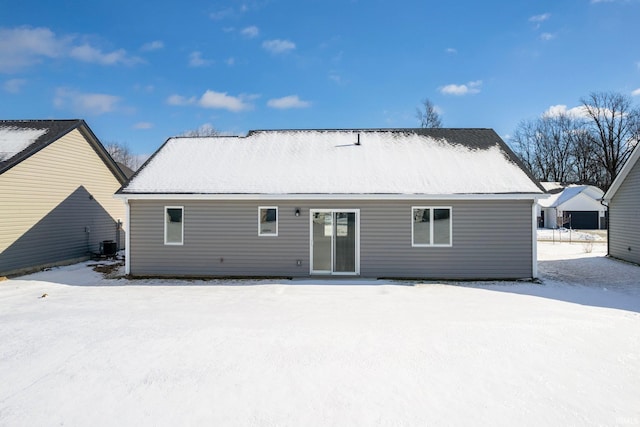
(98, 351)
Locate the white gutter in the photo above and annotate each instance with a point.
(199, 196)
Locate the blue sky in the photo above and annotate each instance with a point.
(140, 72)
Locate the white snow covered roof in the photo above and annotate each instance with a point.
(571, 191)
(388, 161)
(14, 139)
(551, 185)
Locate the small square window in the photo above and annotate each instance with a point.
(267, 221)
(173, 225)
(431, 226)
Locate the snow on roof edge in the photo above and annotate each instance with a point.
(266, 142)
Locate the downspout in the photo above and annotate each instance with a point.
(534, 241)
(608, 218)
(127, 238)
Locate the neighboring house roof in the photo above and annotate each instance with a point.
(628, 166)
(128, 172)
(355, 161)
(552, 186)
(568, 193)
(20, 139)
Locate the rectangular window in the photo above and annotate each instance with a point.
(431, 226)
(267, 221)
(173, 225)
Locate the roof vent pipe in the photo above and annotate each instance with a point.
(358, 140)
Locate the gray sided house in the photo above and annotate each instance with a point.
(623, 199)
(56, 194)
(393, 203)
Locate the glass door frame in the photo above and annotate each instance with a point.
(333, 242)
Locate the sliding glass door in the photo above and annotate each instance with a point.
(335, 241)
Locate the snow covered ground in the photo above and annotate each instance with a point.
(98, 351)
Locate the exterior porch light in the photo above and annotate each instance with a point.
(297, 212)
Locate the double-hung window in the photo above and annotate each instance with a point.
(267, 221)
(430, 226)
(173, 225)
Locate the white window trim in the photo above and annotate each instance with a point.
(260, 233)
(357, 243)
(431, 222)
(165, 226)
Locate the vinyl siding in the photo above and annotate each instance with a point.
(624, 227)
(491, 239)
(45, 206)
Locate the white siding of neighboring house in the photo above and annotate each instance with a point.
(46, 214)
(584, 201)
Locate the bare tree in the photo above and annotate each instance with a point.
(120, 152)
(546, 146)
(525, 146)
(586, 169)
(204, 130)
(614, 127)
(556, 132)
(428, 116)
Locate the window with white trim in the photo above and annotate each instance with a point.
(173, 225)
(431, 226)
(268, 221)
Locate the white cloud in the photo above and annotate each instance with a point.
(22, 47)
(337, 78)
(25, 46)
(250, 32)
(14, 85)
(636, 92)
(556, 110)
(278, 46)
(230, 12)
(87, 53)
(582, 112)
(221, 14)
(85, 103)
(180, 101)
(143, 125)
(220, 100)
(464, 89)
(196, 60)
(547, 36)
(230, 61)
(154, 45)
(144, 88)
(292, 101)
(540, 18)
(451, 50)
(216, 100)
